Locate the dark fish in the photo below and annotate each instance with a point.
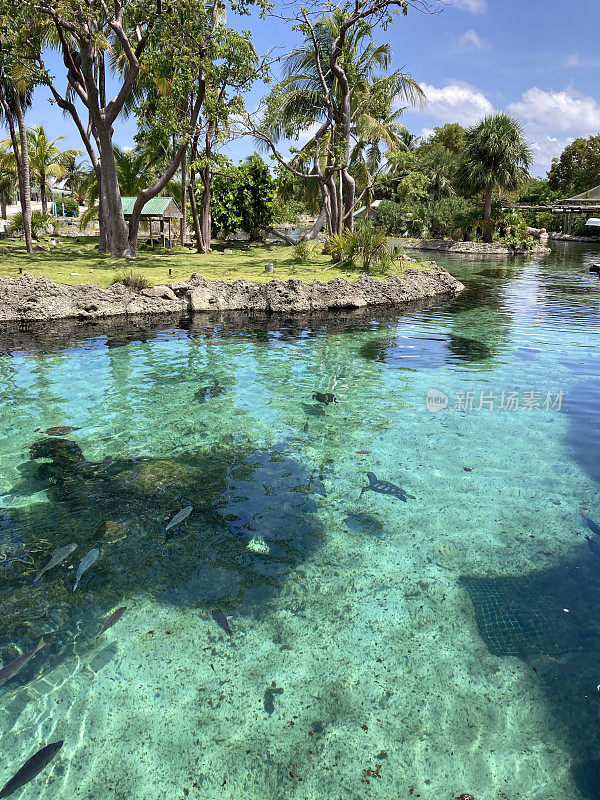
(104, 464)
(384, 487)
(205, 393)
(594, 546)
(179, 517)
(136, 473)
(114, 617)
(221, 620)
(31, 768)
(61, 430)
(324, 397)
(592, 526)
(10, 670)
(56, 559)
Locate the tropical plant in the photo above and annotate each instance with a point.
(134, 280)
(303, 252)
(242, 198)
(336, 84)
(496, 156)
(46, 160)
(40, 223)
(7, 190)
(365, 247)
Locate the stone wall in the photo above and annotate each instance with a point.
(30, 298)
(474, 248)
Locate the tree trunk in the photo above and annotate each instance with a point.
(117, 239)
(183, 197)
(43, 192)
(3, 208)
(194, 209)
(487, 216)
(316, 229)
(205, 210)
(25, 177)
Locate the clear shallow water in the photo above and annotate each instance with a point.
(380, 648)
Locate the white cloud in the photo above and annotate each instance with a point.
(545, 148)
(563, 111)
(474, 6)
(471, 40)
(426, 133)
(456, 102)
(573, 61)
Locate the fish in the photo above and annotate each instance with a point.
(135, 474)
(61, 430)
(56, 559)
(104, 464)
(31, 768)
(384, 487)
(85, 563)
(592, 525)
(594, 546)
(114, 617)
(179, 517)
(324, 397)
(221, 620)
(205, 393)
(10, 670)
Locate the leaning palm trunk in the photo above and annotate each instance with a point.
(318, 225)
(24, 176)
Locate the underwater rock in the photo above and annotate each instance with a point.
(258, 545)
(111, 531)
(57, 449)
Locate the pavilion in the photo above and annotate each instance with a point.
(163, 209)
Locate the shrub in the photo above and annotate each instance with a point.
(364, 248)
(390, 217)
(303, 252)
(39, 224)
(134, 280)
(67, 207)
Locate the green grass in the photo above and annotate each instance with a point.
(247, 261)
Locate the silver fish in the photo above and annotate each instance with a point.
(85, 563)
(31, 768)
(10, 670)
(56, 559)
(104, 465)
(179, 517)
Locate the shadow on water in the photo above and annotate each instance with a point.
(421, 353)
(252, 522)
(550, 620)
(581, 407)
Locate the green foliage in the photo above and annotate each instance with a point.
(303, 252)
(134, 280)
(242, 198)
(39, 224)
(390, 217)
(67, 206)
(577, 169)
(512, 228)
(364, 248)
(450, 137)
(537, 191)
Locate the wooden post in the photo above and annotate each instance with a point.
(170, 242)
(151, 238)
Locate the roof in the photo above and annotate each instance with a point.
(362, 210)
(164, 207)
(591, 196)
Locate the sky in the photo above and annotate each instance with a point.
(536, 59)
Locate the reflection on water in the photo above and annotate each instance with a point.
(443, 646)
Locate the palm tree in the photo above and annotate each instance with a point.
(16, 95)
(46, 160)
(496, 156)
(296, 104)
(7, 190)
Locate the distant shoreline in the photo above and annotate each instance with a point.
(475, 248)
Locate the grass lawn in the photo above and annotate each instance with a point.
(77, 261)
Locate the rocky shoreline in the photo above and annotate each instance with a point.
(474, 248)
(28, 298)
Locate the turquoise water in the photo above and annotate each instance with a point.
(380, 648)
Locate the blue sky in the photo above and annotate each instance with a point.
(537, 59)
